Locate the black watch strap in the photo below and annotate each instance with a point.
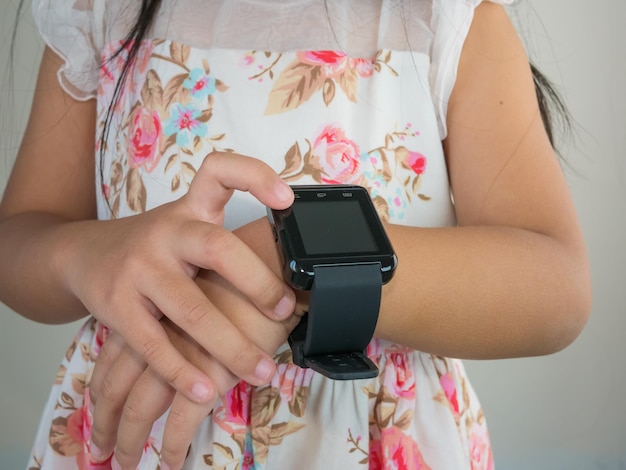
(343, 309)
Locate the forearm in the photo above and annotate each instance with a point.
(33, 248)
(484, 292)
(470, 292)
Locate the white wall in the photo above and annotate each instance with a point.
(566, 411)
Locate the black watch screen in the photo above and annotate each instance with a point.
(330, 224)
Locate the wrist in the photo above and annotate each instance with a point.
(44, 255)
(258, 235)
(73, 246)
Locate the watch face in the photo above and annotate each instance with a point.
(328, 227)
(332, 224)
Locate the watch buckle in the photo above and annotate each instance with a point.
(343, 366)
(352, 365)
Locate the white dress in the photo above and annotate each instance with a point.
(324, 92)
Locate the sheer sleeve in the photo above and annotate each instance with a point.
(451, 22)
(71, 29)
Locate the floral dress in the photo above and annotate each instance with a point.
(296, 85)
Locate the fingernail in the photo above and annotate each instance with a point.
(90, 408)
(115, 465)
(283, 191)
(284, 308)
(96, 453)
(201, 391)
(264, 370)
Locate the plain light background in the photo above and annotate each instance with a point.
(566, 411)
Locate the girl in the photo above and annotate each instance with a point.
(189, 104)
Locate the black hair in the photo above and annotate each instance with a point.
(551, 106)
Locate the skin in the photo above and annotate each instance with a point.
(51, 244)
(511, 280)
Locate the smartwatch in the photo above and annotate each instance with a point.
(333, 244)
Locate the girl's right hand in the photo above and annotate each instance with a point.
(58, 262)
(130, 272)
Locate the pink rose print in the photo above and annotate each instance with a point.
(374, 350)
(376, 457)
(323, 71)
(74, 427)
(337, 157)
(449, 388)
(288, 378)
(237, 401)
(234, 412)
(416, 162)
(364, 67)
(482, 458)
(145, 135)
(333, 63)
(399, 378)
(395, 451)
(102, 333)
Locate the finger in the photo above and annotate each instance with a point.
(144, 334)
(114, 390)
(188, 308)
(182, 422)
(184, 416)
(107, 356)
(216, 249)
(221, 173)
(147, 401)
(222, 379)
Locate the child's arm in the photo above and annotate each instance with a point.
(513, 279)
